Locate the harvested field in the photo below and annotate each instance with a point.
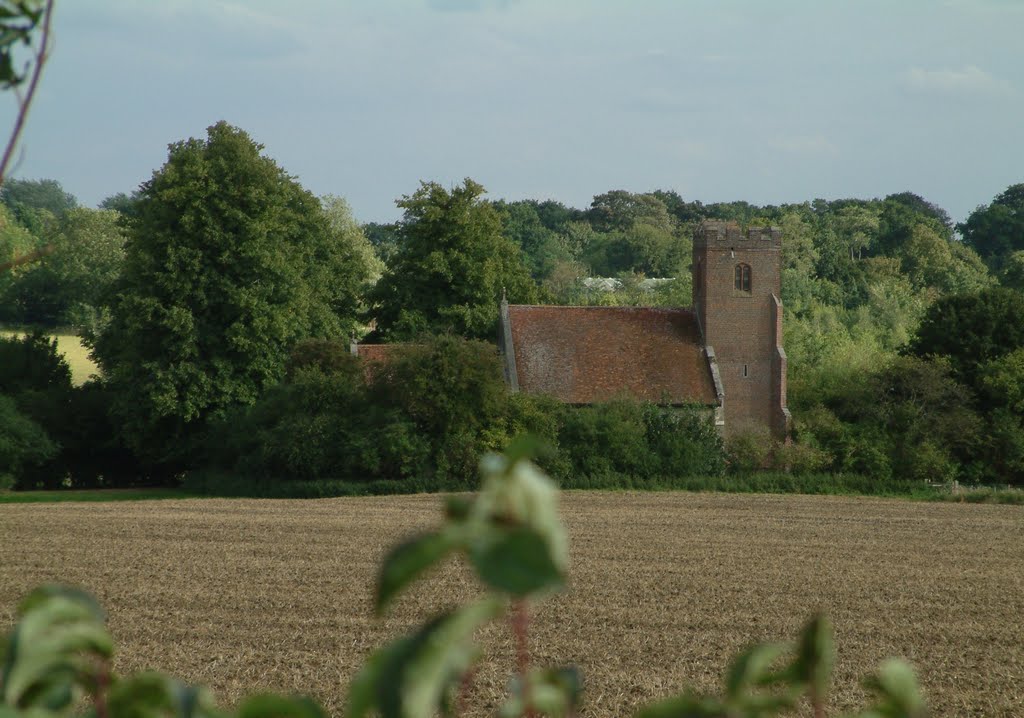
(244, 595)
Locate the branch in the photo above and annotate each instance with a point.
(23, 104)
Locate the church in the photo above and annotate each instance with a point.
(725, 352)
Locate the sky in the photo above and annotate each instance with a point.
(720, 100)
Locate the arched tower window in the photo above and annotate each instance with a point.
(743, 277)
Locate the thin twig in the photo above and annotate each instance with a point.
(24, 103)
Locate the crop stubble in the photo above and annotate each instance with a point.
(244, 595)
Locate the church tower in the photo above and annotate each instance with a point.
(736, 296)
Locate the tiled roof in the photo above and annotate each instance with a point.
(583, 355)
(379, 352)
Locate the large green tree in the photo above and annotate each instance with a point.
(229, 262)
(997, 230)
(450, 267)
(971, 329)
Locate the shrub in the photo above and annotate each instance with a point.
(23, 445)
(628, 438)
(800, 457)
(684, 440)
(429, 412)
(749, 451)
(607, 439)
(453, 391)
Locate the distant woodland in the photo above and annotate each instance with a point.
(218, 298)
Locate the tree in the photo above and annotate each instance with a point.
(450, 268)
(1012, 275)
(23, 443)
(620, 210)
(32, 363)
(121, 202)
(972, 329)
(348, 233)
(66, 287)
(44, 194)
(930, 260)
(996, 230)
(229, 262)
(542, 247)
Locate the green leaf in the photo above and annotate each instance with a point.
(363, 697)
(816, 656)
(268, 705)
(154, 695)
(53, 649)
(687, 705)
(457, 508)
(407, 561)
(47, 592)
(523, 447)
(554, 693)
(445, 653)
(751, 669)
(409, 678)
(896, 686)
(517, 561)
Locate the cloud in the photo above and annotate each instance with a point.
(468, 5)
(970, 80)
(805, 145)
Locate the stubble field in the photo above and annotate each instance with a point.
(275, 595)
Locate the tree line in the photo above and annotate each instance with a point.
(196, 290)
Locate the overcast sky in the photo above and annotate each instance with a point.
(768, 101)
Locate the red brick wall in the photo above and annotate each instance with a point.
(741, 326)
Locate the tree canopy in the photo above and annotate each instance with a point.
(24, 196)
(229, 262)
(971, 329)
(997, 230)
(450, 267)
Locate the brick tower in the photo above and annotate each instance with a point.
(736, 290)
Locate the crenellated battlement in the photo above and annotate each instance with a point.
(728, 235)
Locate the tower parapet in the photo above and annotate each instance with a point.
(724, 235)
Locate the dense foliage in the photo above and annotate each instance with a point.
(451, 266)
(67, 286)
(60, 435)
(424, 417)
(901, 327)
(229, 263)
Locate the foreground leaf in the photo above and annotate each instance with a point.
(897, 691)
(517, 561)
(411, 677)
(409, 560)
(269, 705)
(154, 695)
(53, 652)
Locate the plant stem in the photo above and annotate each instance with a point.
(520, 627)
(99, 700)
(818, 703)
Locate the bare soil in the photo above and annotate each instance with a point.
(246, 595)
